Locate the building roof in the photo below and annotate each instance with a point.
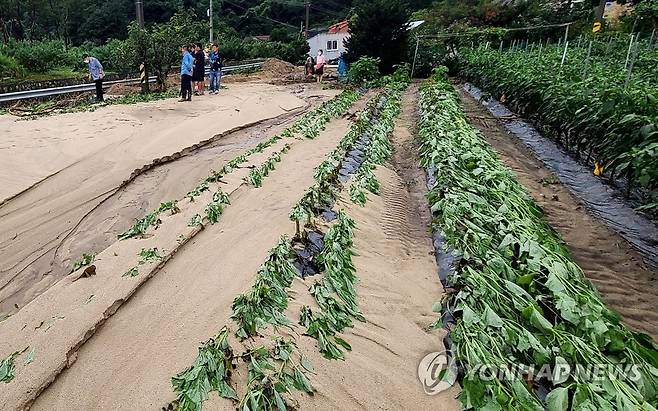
(414, 24)
(341, 27)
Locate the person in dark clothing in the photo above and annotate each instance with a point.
(216, 64)
(198, 76)
(309, 68)
(96, 74)
(186, 68)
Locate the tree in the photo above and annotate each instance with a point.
(378, 29)
(647, 11)
(158, 45)
(280, 34)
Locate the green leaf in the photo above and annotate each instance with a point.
(558, 399)
(537, 319)
(308, 366)
(469, 316)
(7, 368)
(491, 318)
(280, 403)
(437, 307)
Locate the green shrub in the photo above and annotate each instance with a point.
(9, 67)
(402, 73)
(235, 49)
(40, 56)
(365, 71)
(111, 55)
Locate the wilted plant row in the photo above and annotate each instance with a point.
(257, 174)
(378, 150)
(367, 141)
(516, 299)
(335, 107)
(335, 293)
(276, 369)
(220, 200)
(584, 105)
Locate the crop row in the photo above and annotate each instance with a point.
(214, 209)
(516, 299)
(277, 369)
(309, 129)
(594, 115)
(272, 370)
(378, 150)
(335, 293)
(302, 128)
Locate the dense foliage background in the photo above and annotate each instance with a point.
(48, 37)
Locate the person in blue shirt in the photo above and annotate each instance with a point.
(186, 67)
(216, 64)
(342, 67)
(96, 74)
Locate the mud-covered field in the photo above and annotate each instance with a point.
(231, 177)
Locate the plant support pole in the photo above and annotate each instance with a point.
(566, 33)
(564, 55)
(632, 62)
(413, 65)
(628, 53)
(589, 52)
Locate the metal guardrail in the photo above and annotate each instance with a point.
(79, 88)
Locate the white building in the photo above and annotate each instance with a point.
(330, 41)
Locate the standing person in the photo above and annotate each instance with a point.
(308, 67)
(186, 69)
(96, 74)
(320, 62)
(342, 67)
(199, 72)
(216, 65)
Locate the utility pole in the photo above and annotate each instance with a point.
(210, 15)
(308, 8)
(139, 9)
(143, 74)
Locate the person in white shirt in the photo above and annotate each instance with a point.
(320, 62)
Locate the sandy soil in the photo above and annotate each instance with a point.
(398, 285)
(126, 359)
(58, 171)
(616, 270)
(156, 333)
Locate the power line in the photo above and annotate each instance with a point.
(262, 17)
(312, 5)
(288, 3)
